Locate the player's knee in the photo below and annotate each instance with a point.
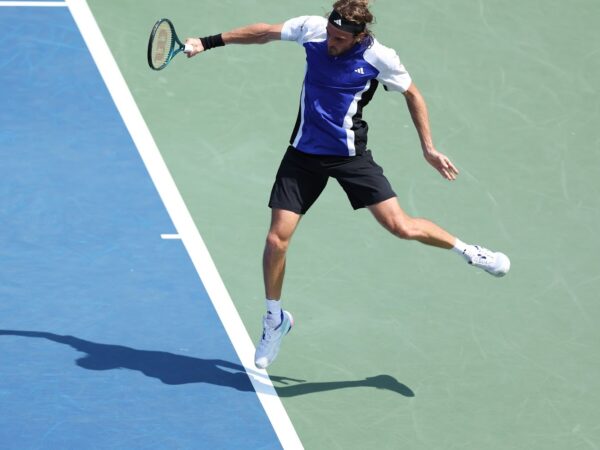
(276, 242)
(402, 228)
(404, 232)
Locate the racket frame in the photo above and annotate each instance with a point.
(172, 51)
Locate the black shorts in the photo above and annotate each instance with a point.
(302, 177)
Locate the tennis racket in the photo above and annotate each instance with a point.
(164, 44)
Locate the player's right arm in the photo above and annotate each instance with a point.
(300, 29)
(258, 33)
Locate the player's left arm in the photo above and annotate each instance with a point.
(418, 111)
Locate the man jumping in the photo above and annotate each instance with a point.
(345, 65)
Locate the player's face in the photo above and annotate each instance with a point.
(339, 41)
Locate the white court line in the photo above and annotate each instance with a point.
(170, 236)
(32, 4)
(183, 222)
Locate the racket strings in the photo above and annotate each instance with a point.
(162, 45)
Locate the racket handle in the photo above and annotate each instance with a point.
(188, 48)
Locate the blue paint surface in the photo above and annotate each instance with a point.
(107, 336)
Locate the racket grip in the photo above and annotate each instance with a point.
(188, 48)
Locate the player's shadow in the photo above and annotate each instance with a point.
(164, 366)
(174, 369)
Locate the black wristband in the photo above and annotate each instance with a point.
(209, 42)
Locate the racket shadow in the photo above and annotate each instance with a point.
(167, 367)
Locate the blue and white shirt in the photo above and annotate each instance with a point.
(337, 88)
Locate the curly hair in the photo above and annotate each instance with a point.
(355, 11)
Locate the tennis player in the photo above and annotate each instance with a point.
(345, 66)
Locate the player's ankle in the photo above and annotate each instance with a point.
(273, 311)
(460, 247)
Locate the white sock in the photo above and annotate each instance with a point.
(460, 247)
(274, 311)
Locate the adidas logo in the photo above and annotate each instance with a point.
(360, 70)
(338, 22)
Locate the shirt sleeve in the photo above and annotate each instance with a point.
(304, 29)
(392, 73)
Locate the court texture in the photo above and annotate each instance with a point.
(133, 216)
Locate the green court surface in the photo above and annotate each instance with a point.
(401, 346)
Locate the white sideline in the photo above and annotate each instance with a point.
(183, 222)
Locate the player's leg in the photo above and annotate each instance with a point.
(389, 214)
(283, 225)
(366, 186)
(298, 183)
(277, 322)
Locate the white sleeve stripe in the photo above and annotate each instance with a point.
(392, 73)
(304, 28)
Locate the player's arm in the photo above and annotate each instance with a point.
(258, 33)
(420, 117)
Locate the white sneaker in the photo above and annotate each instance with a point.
(494, 263)
(269, 344)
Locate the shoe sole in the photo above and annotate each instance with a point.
(291, 319)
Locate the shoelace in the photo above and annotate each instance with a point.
(268, 331)
(481, 256)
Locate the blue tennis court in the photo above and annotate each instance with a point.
(107, 336)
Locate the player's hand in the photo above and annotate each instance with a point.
(441, 163)
(197, 46)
